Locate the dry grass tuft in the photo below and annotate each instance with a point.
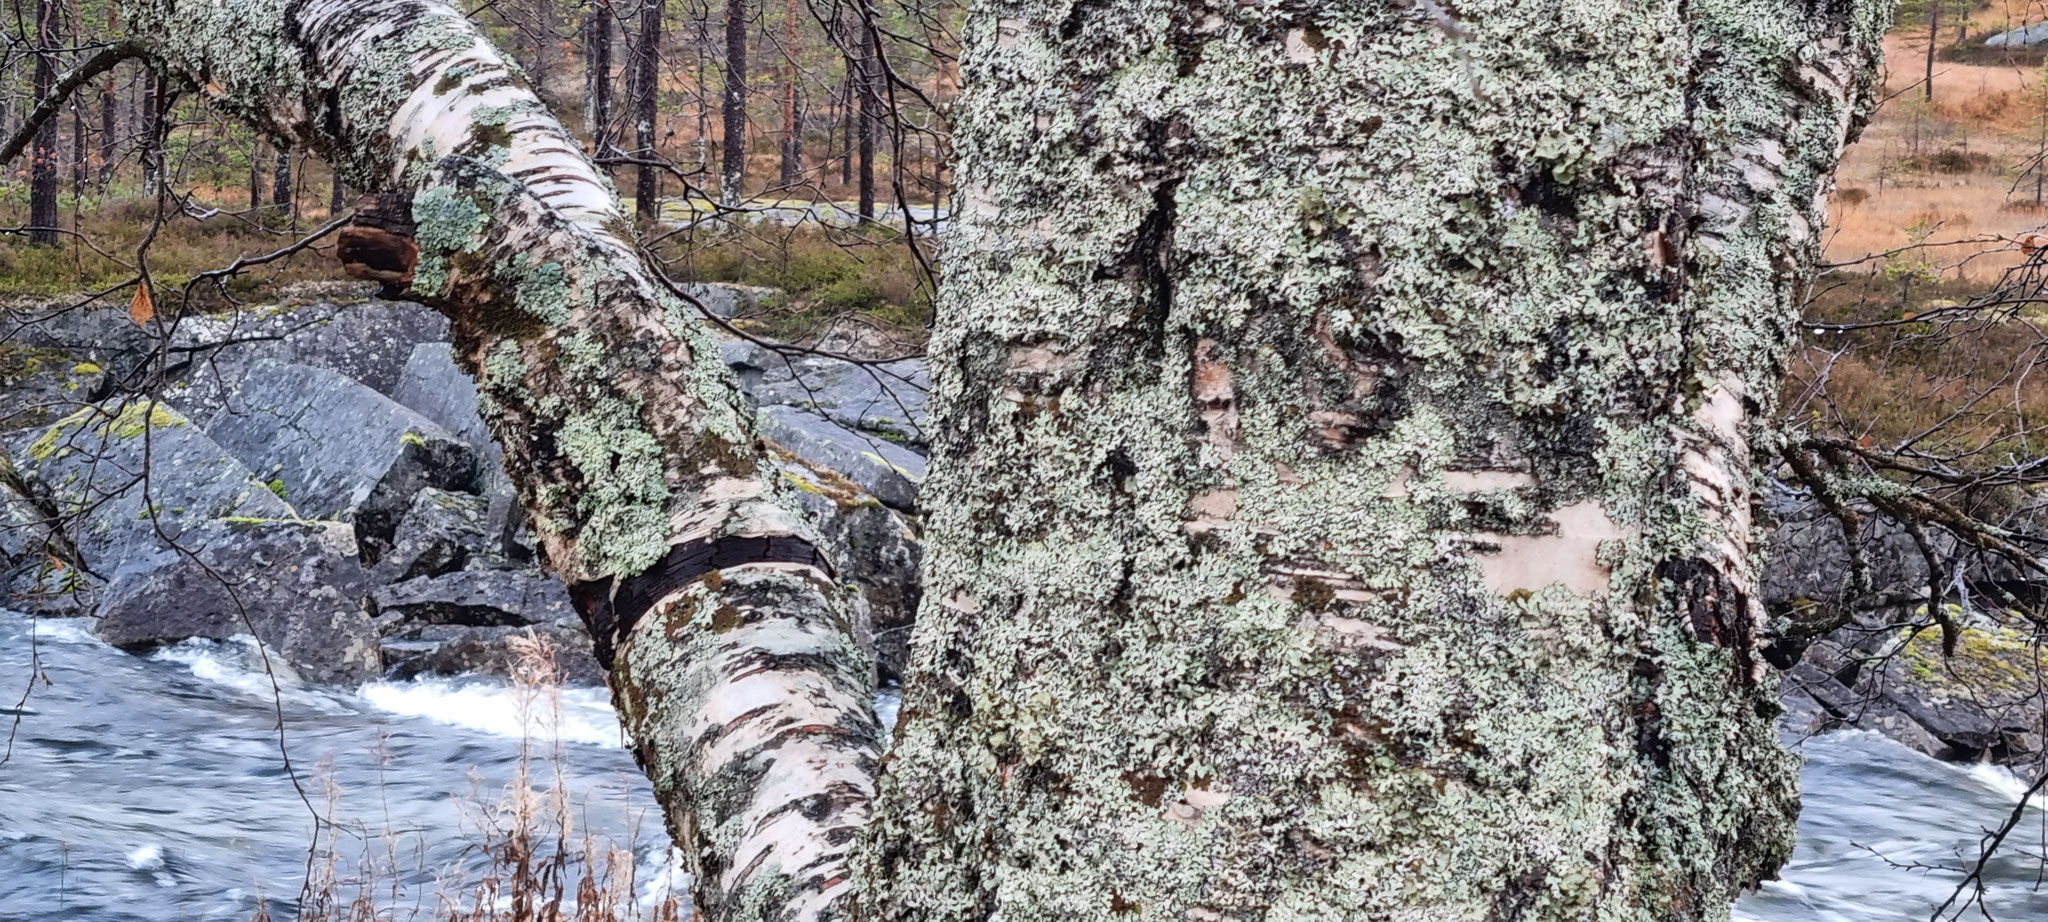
(527, 860)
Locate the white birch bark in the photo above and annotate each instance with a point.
(630, 445)
(1347, 414)
(1348, 422)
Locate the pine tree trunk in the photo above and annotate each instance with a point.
(646, 84)
(544, 49)
(702, 41)
(869, 114)
(256, 181)
(42, 176)
(846, 106)
(156, 105)
(1933, 40)
(76, 16)
(598, 37)
(78, 155)
(732, 175)
(281, 182)
(792, 130)
(110, 107)
(1347, 422)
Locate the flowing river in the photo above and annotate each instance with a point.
(153, 788)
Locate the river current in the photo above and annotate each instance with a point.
(153, 788)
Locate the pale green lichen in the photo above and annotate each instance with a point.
(1415, 251)
(624, 500)
(450, 220)
(132, 420)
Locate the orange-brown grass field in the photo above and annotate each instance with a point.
(1963, 168)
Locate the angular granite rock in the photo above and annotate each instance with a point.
(440, 533)
(450, 650)
(887, 400)
(435, 387)
(339, 450)
(873, 546)
(365, 340)
(134, 476)
(295, 585)
(889, 471)
(476, 598)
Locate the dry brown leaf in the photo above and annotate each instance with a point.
(143, 307)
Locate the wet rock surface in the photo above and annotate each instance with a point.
(1883, 668)
(322, 480)
(339, 449)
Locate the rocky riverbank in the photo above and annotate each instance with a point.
(317, 476)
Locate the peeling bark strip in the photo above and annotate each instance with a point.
(1348, 415)
(626, 448)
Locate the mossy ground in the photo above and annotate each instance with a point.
(828, 277)
(1995, 661)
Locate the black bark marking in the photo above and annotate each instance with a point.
(611, 608)
(1714, 608)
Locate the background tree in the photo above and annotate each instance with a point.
(43, 159)
(646, 93)
(732, 174)
(792, 129)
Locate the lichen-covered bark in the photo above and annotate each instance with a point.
(629, 443)
(1347, 417)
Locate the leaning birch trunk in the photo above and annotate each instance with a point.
(1348, 421)
(736, 671)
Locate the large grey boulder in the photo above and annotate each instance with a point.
(103, 338)
(477, 598)
(432, 385)
(879, 467)
(294, 585)
(39, 386)
(368, 341)
(183, 541)
(2033, 36)
(136, 476)
(339, 449)
(875, 547)
(884, 400)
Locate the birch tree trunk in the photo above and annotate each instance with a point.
(734, 660)
(1347, 424)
